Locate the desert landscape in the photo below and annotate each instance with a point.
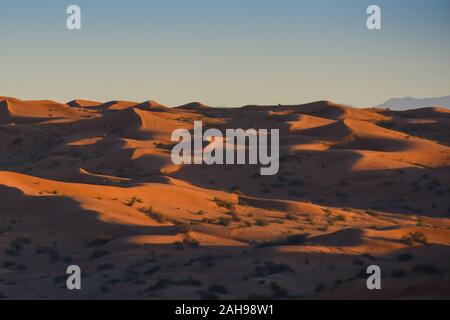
(93, 184)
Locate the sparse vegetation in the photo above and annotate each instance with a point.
(152, 214)
(225, 221)
(98, 254)
(271, 268)
(216, 288)
(101, 240)
(291, 240)
(427, 269)
(278, 291)
(405, 257)
(133, 201)
(261, 222)
(400, 274)
(224, 204)
(320, 287)
(166, 282)
(415, 237)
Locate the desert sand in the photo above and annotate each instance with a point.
(93, 184)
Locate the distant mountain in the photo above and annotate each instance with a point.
(413, 103)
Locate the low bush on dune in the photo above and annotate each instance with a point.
(98, 254)
(59, 279)
(405, 257)
(208, 296)
(261, 222)
(427, 269)
(415, 237)
(400, 274)
(164, 283)
(101, 240)
(291, 217)
(152, 270)
(17, 246)
(12, 252)
(340, 218)
(278, 291)
(224, 204)
(9, 264)
(235, 217)
(320, 287)
(270, 268)
(291, 240)
(158, 217)
(106, 266)
(216, 288)
(133, 201)
(225, 221)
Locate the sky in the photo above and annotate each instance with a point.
(225, 52)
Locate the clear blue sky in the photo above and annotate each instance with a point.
(225, 52)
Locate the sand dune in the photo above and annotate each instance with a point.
(93, 184)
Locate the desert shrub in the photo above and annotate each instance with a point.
(338, 282)
(101, 240)
(158, 217)
(166, 282)
(67, 259)
(261, 222)
(369, 256)
(413, 237)
(12, 252)
(98, 254)
(189, 240)
(24, 240)
(234, 215)
(152, 270)
(217, 288)
(358, 262)
(271, 268)
(183, 227)
(278, 291)
(296, 183)
(206, 260)
(9, 264)
(224, 204)
(320, 287)
(17, 141)
(399, 274)
(133, 201)
(179, 245)
(291, 240)
(206, 295)
(427, 269)
(405, 257)
(59, 279)
(53, 255)
(291, 217)
(225, 221)
(106, 266)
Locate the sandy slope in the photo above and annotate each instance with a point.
(92, 184)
